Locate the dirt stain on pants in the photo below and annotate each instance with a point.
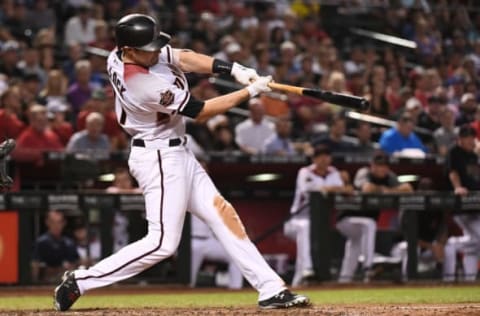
(230, 217)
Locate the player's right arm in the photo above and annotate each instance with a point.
(221, 104)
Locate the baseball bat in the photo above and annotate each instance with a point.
(341, 99)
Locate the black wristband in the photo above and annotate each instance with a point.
(221, 67)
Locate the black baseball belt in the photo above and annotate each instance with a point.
(173, 142)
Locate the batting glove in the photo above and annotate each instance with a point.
(259, 86)
(243, 75)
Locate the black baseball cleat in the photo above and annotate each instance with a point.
(66, 293)
(284, 299)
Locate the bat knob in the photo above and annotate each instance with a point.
(364, 105)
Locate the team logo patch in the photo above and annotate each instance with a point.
(166, 98)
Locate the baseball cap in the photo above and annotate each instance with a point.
(233, 48)
(413, 103)
(380, 158)
(466, 131)
(55, 106)
(10, 45)
(433, 99)
(287, 45)
(321, 149)
(467, 97)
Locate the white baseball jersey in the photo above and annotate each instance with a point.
(148, 99)
(308, 180)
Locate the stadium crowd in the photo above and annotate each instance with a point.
(55, 94)
(53, 72)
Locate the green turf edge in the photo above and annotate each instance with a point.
(404, 295)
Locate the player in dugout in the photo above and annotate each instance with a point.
(152, 103)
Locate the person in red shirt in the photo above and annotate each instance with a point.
(36, 138)
(59, 125)
(102, 103)
(10, 108)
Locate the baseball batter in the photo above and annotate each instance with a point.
(152, 101)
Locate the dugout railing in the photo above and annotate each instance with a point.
(100, 207)
(324, 206)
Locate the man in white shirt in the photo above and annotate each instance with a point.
(319, 176)
(250, 135)
(81, 27)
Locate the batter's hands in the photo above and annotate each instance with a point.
(244, 75)
(259, 86)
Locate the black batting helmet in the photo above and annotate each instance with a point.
(140, 31)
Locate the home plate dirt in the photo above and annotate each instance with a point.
(331, 310)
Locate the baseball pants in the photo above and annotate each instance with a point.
(360, 234)
(468, 244)
(172, 182)
(299, 230)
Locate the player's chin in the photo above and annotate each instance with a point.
(153, 61)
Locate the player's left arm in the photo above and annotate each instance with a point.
(190, 61)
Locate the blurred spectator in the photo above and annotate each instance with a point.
(98, 62)
(223, 139)
(10, 112)
(30, 87)
(36, 138)
(467, 109)
(364, 142)
(414, 108)
(336, 139)
(17, 23)
(30, 64)
(75, 53)
(264, 66)
(289, 70)
(464, 175)
(476, 124)
(445, 136)
(55, 88)
(360, 227)
(103, 39)
(355, 62)
(319, 176)
(280, 143)
(81, 27)
(9, 59)
(56, 112)
(41, 16)
(393, 93)
(81, 89)
(430, 117)
(88, 246)
(53, 253)
(378, 94)
(456, 90)
(99, 102)
(401, 139)
(252, 132)
(91, 139)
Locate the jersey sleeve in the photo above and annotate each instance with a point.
(151, 93)
(336, 179)
(169, 55)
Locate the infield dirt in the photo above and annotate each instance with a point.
(332, 310)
